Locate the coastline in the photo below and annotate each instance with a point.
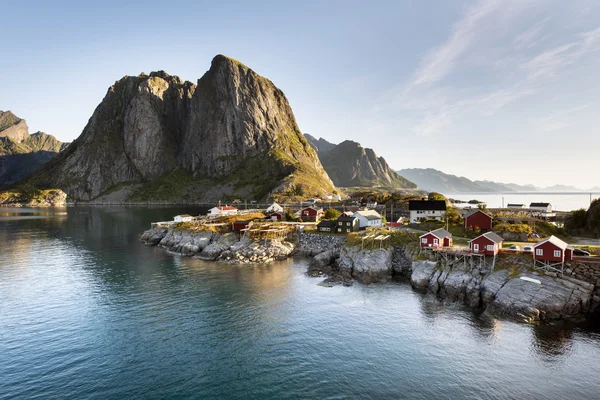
(501, 292)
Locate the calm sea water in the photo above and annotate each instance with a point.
(559, 201)
(87, 312)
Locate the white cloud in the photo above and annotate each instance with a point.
(441, 60)
(548, 63)
(532, 36)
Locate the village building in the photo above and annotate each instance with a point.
(551, 254)
(477, 219)
(274, 208)
(437, 238)
(183, 218)
(277, 216)
(543, 210)
(346, 224)
(239, 226)
(220, 211)
(311, 214)
(421, 210)
(514, 205)
(326, 226)
(369, 218)
(488, 244)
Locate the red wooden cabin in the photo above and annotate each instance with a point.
(488, 244)
(551, 250)
(277, 216)
(438, 238)
(311, 214)
(241, 225)
(478, 219)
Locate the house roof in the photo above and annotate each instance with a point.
(183, 215)
(473, 212)
(438, 233)
(539, 204)
(277, 212)
(555, 241)
(326, 223)
(346, 218)
(245, 222)
(274, 205)
(491, 236)
(427, 205)
(369, 214)
(514, 205)
(312, 208)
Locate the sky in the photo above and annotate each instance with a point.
(503, 90)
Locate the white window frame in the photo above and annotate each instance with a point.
(490, 247)
(436, 241)
(557, 253)
(424, 240)
(539, 252)
(476, 247)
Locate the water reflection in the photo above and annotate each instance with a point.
(552, 342)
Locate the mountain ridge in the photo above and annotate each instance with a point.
(436, 180)
(348, 164)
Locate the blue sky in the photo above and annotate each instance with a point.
(499, 90)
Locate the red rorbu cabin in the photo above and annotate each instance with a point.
(311, 214)
(488, 244)
(241, 225)
(438, 238)
(478, 219)
(277, 216)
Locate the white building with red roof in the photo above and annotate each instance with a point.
(220, 211)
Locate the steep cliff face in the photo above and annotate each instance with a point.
(350, 164)
(13, 127)
(20, 152)
(232, 134)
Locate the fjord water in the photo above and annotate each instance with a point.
(88, 312)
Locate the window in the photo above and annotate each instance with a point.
(490, 247)
(424, 240)
(539, 252)
(475, 247)
(347, 223)
(340, 223)
(436, 242)
(557, 253)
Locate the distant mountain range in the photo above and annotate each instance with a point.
(348, 164)
(438, 181)
(20, 152)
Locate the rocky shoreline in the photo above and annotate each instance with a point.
(502, 293)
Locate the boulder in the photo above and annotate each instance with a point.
(366, 266)
(422, 271)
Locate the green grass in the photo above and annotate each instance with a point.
(171, 186)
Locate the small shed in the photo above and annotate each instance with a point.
(478, 219)
(183, 218)
(488, 244)
(277, 216)
(437, 238)
(326, 226)
(346, 224)
(241, 225)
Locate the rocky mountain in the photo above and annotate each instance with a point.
(321, 145)
(349, 164)
(438, 181)
(156, 137)
(20, 152)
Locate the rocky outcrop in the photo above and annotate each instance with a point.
(349, 164)
(232, 134)
(366, 266)
(213, 246)
(503, 295)
(20, 152)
